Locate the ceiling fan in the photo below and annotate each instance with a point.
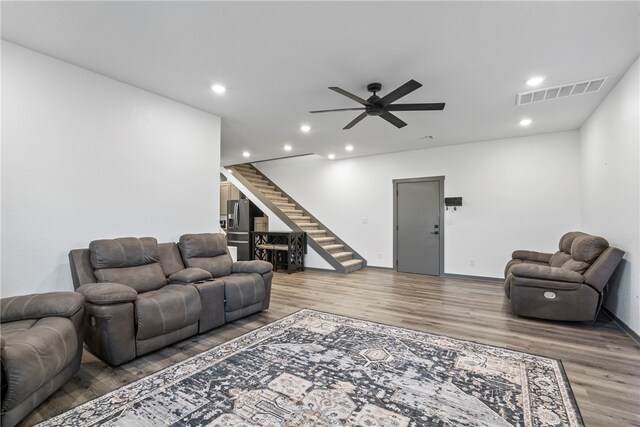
(376, 106)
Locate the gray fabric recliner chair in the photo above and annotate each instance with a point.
(41, 348)
(567, 285)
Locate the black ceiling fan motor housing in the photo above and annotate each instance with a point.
(374, 87)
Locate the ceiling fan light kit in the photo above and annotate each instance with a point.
(382, 107)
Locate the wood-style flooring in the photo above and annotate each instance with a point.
(602, 362)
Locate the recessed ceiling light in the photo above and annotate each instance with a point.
(348, 147)
(230, 170)
(427, 137)
(246, 154)
(219, 89)
(331, 156)
(305, 128)
(525, 122)
(288, 147)
(535, 81)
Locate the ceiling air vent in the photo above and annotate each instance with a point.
(580, 88)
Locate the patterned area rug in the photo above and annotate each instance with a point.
(313, 368)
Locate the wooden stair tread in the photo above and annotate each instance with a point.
(351, 262)
(323, 239)
(299, 218)
(341, 254)
(332, 247)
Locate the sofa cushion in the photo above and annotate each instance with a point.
(577, 266)
(107, 293)
(254, 266)
(35, 351)
(143, 278)
(207, 251)
(243, 289)
(588, 248)
(204, 245)
(546, 273)
(219, 266)
(166, 310)
(170, 258)
(558, 259)
(35, 306)
(190, 275)
(123, 252)
(567, 240)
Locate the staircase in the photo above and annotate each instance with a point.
(337, 253)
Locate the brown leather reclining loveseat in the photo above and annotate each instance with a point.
(567, 285)
(141, 296)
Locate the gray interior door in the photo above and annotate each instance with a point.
(418, 227)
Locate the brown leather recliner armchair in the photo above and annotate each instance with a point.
(567, 285)
(41, 342)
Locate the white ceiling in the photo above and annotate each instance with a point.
(278, 58)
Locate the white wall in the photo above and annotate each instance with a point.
(518, 193)
(611, 188)
(87, 157)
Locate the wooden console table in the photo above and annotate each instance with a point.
(282, 249)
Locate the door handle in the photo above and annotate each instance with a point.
(434, 232)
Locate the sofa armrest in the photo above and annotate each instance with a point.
(189, 275)
(107, 293)
(256, 266)
(36, 306)
(532, 256)
(543, 272)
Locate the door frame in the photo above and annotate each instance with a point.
(440, 180)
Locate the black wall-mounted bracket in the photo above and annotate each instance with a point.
(452, 202)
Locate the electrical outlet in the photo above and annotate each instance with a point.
(365, 220)
(379, 255)
(472, 262)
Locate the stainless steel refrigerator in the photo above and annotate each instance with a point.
(240, 215)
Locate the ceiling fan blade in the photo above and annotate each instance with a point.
(350, 95)
(394, 120)
(403, 90)
(415, 107)
(337, 109)
(353, 122)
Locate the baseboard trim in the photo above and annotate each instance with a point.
(376, 267)
(633, 334)
(465, 276)
(323, 270)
